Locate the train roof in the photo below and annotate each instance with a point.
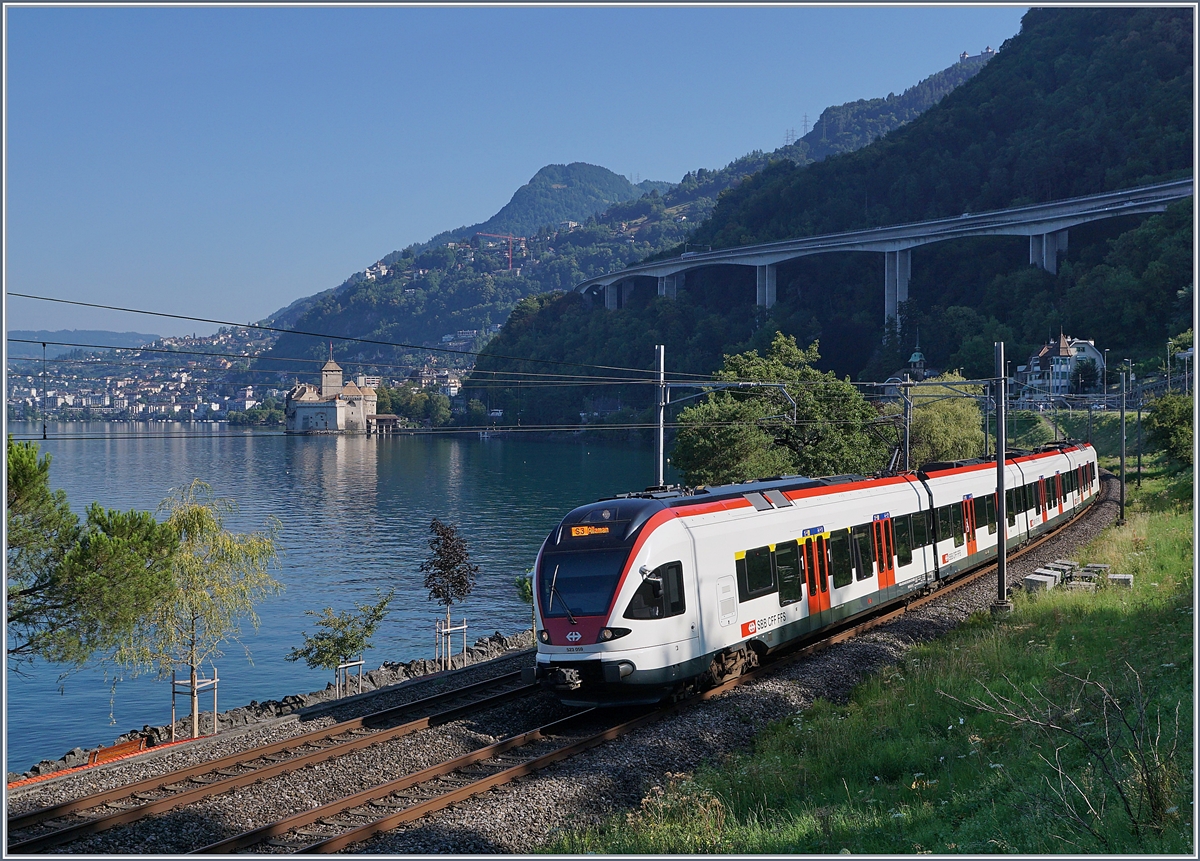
(632, 510)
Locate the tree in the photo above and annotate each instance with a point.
(946, 422)
(1085, 376)
(1169, 425)
(74, 592)
(735, 436)
(345, 634)
(217, 577)
(449, 573)
(524, 584)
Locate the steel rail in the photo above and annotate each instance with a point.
(418, 808)
(329, 746)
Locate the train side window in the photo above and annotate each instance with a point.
(755, 577)
(945, 525)
(991, 513)
(956, 524)
(787, 569)
(981, 516)
(904, 539)
(864, 552)
(660, 595)
(839, 553)
(919, 532)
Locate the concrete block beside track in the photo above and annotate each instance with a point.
(1124, 580)
(1056, 576)
(1039, 582)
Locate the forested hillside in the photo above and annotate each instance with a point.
(1081, 101)
(460, 281)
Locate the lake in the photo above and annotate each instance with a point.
(355, 512)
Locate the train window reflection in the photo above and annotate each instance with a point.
(839, 549)
(787, 569)
(660, 595)
(580, 582)
(755, 576)
(904, 541)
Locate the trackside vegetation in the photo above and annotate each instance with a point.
(1063, 728)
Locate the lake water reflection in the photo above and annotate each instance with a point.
(355, 512)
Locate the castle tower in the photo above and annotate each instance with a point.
(331, 377)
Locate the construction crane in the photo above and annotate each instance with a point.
(510, 239)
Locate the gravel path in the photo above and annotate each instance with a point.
(521, 816)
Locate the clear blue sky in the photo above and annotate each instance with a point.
(224, 161)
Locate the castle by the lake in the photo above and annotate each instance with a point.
(332, 407)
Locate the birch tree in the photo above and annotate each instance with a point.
(217, 579)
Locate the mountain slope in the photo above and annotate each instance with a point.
(1082, 100)
(1043, 121)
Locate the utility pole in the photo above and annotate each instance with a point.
(907, 421)
(43, 390)
(986, 424)
(1121, 519)
(1002, 605)
(1139, 432)
(660, 359)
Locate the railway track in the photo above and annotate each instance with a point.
(63, 823)
(344, 822)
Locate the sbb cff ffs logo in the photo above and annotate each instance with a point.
(574, 637)
(749, 628)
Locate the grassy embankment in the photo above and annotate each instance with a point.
(1063, 728)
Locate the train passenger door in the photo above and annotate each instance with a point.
(816, 566)
(968, 510)
(1058, 490)
(883, 537)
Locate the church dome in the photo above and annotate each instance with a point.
(916, 357)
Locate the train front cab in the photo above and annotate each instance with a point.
(616, 623)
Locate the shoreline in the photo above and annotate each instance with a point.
(387, 675)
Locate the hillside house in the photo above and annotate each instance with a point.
(1047, 374)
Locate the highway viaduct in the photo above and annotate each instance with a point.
(1046, 225)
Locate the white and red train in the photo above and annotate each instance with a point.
(646, 594)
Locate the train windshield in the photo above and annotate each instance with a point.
(579, 582)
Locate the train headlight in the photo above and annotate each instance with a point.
(607, 634)
(544, 636)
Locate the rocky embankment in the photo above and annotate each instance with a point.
(387, 674)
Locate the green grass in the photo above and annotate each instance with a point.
(922, 758)
(1028, 429)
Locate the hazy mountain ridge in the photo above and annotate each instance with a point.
(70, 336)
